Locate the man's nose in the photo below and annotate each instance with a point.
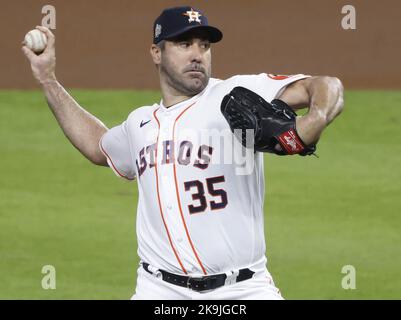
(196, 53)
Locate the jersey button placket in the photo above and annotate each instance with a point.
(167, 185)
(167, 124)
(169, 174)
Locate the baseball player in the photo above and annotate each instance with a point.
(199, 222)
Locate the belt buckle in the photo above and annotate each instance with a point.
(193, 279)
(206, 281)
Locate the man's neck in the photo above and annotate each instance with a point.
(171, 99)
(172, 96)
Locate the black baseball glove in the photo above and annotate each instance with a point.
(273, 124)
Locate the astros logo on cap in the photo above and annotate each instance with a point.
(193, 15)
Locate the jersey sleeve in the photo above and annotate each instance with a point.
(115, 145)
(268, 86)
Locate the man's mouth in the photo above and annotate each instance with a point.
(195, 72)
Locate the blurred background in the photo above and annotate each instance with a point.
(321, 214)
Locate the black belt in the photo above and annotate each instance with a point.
(201, 283)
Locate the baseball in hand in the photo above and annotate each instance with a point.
(35, 40)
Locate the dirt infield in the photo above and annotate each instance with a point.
(104, 44)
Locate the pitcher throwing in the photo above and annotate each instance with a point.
(200, 223)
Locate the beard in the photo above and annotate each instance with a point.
(192, 80)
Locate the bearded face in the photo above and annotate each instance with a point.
(186, 64)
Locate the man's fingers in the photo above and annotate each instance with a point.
(28, 53)
(45, 30)
(51, 39)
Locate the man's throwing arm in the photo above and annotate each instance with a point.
(80, 127)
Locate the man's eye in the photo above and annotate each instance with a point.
(205, 45)
(184, 44)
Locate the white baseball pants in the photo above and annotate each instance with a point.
(260, 287)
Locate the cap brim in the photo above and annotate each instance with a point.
(214, 34)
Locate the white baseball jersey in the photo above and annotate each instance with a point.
(195, 216)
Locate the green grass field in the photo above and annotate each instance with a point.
(321, 214)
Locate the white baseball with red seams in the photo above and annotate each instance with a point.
(194, 217)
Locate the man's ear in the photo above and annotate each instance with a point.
(156, 53)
